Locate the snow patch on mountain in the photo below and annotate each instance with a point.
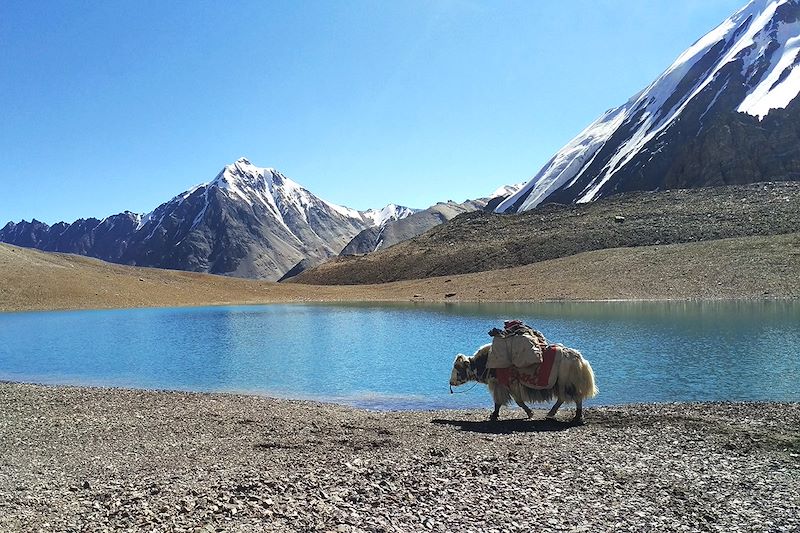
(506, 190)
(780, 83)
(379, 217)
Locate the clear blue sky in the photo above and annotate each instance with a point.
(116, 105)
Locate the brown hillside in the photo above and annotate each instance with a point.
(32, 279)
(477, 242)
(750, 267)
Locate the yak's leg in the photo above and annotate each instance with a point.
(551, 415)
(578, 412)
(525, 408)
(496, 413)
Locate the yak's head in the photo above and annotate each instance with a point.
(462, 371)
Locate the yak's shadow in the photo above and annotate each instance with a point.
(504, 427)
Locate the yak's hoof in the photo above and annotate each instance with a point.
(577, 421)
(493, 418)
(550, 417)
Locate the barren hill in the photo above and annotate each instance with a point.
(479, 241)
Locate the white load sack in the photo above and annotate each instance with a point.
(517, 350)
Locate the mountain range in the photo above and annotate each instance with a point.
(247, 222)
(725, 112)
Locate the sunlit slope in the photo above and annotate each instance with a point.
(31, 279)
(750, 267)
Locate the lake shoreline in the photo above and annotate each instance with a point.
(81, 458)
(395, 302)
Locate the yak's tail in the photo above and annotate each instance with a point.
(576, 377)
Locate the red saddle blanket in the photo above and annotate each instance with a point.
(539, 380)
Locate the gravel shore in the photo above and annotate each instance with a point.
(91, 459)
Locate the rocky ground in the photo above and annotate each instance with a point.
(84, 459)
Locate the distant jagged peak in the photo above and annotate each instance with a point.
(242, 182)
(380, 217)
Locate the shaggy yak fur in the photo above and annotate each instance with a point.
(574, 382)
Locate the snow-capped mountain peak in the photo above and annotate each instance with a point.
(241, 179)
(270, 188)
(250, 183)
(248, 221)
(748, 64)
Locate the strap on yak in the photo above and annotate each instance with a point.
(462, 391)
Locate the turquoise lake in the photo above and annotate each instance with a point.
(400, 356)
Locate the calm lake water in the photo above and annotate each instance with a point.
(400, 356)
